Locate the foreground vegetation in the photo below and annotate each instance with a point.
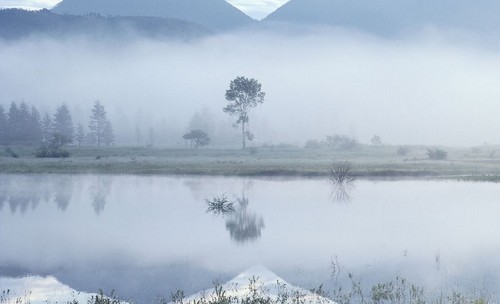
(398, 291)
(368, 161)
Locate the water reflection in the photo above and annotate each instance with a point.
(173, 244)
(243, 225)
(220, 205)
(342, 192)
(100, 189)
(22, 193)
(63, 194)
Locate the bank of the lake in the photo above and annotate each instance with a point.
(368, 161)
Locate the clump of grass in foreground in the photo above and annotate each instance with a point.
(401, 291)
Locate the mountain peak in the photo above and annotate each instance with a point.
(213, 14)
(392, 16)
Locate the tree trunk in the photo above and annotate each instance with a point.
(243, 133)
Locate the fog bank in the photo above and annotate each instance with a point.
(433, 88)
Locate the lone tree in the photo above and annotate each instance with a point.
(197, 138)
(243, 94)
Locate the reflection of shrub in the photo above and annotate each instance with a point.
(437, 154)
(220, 205)
(54, 148)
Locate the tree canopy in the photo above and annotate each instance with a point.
(197, 138)
(243, 94)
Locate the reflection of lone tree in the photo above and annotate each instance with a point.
(243, 94)
(197, 138)
(242, 225)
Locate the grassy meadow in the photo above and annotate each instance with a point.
(479, 163)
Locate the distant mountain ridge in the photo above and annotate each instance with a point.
(392, 16)
(17, 23)
(213, 14)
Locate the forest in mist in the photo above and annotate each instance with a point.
(431, 87)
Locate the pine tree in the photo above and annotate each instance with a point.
(13, 123)
(35, 126)
(46, 127)
(63, 123)
(107, 135)
(3, 126)
(97, 124)
(24, 125)
(80, 134)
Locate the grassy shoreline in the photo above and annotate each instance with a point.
(368, 162)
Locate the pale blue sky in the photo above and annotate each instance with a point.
(257, 9)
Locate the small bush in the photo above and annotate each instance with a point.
(403, 151)
(11, 153)
(313, 144)
(341, 173)
(342, 142)
(437, 154)
(54, 148)
(47, 152)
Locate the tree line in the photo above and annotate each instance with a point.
(22, 124)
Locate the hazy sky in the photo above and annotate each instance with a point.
(257, 9)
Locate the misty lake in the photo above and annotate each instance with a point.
(146, 236)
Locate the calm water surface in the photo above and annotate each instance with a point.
(146, 236)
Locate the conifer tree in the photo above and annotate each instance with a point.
(97, 124)
(63, 123)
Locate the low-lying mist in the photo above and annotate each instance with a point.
(432, 88)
